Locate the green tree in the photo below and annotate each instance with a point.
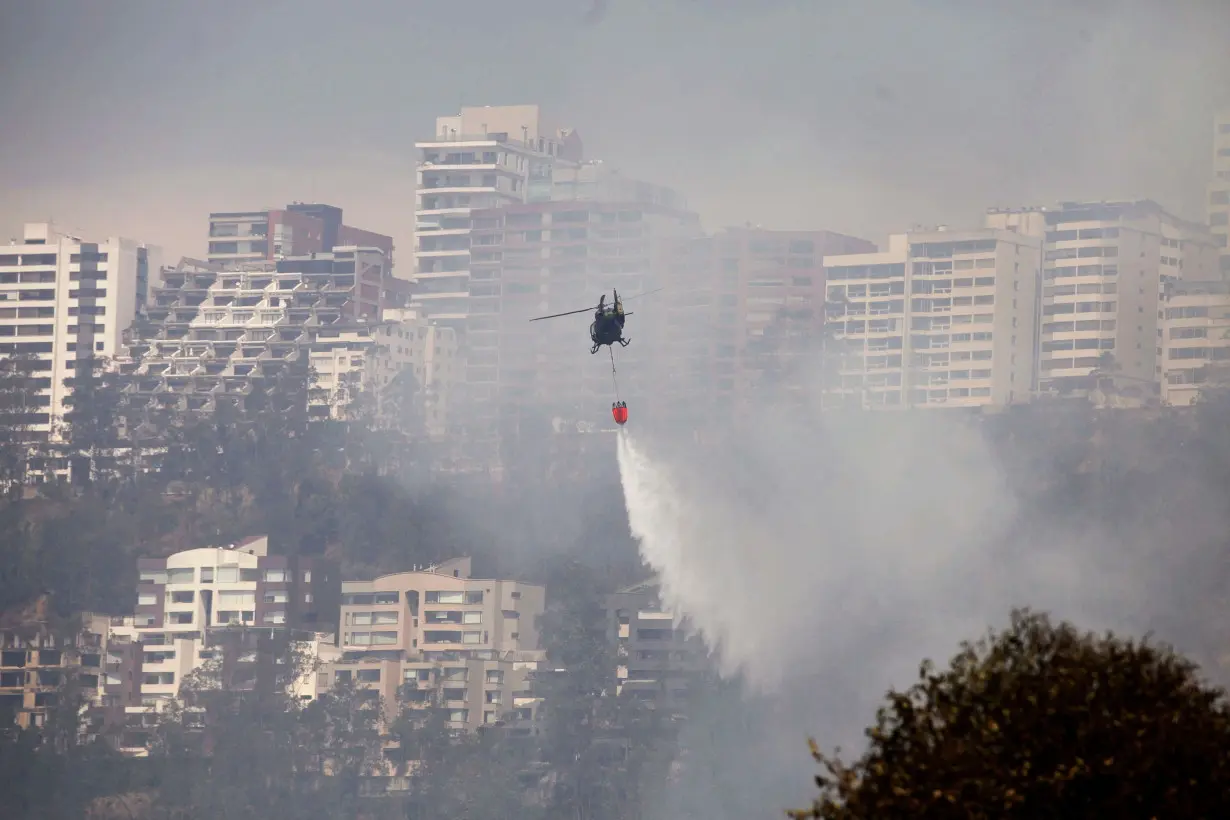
(95, 424)
(20, 406)
(1041, 721)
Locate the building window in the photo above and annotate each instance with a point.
(442, 597)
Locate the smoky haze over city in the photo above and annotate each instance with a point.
(923, 318)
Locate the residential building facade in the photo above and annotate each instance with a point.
(436, 364)
(64, 298)
(211, 334)
(1195, 339)
(943, 318)
(437, 637)
(1103, 273)
(193, 602)
(41, 662)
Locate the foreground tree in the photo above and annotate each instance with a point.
(1041, 721)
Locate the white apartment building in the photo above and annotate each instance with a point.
(865, 360)
(941, 319)
(1195, 339)
(1105, 265)
(211, 333)
(483, 157)
(63, 296)
(437, 636)
(1219, 191)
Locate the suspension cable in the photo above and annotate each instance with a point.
(614, 378)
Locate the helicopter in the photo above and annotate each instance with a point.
(607, 328)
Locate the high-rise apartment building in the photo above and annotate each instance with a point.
(940, 319)
(1219, 192)
(437, 637)
(298, 229)
(1195, 339)
(64, 298)
(1104, 269)
(483, 157)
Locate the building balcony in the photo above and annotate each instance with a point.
(441, 252)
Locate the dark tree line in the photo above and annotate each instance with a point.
(147, 482)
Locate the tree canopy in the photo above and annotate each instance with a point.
(1040, 720)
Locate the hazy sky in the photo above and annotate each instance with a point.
(140, 116)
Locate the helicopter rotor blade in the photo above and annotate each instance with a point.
(569, 313)
(595, 307)
(639, 295)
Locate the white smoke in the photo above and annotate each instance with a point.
(852, 547)
(824, 557)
